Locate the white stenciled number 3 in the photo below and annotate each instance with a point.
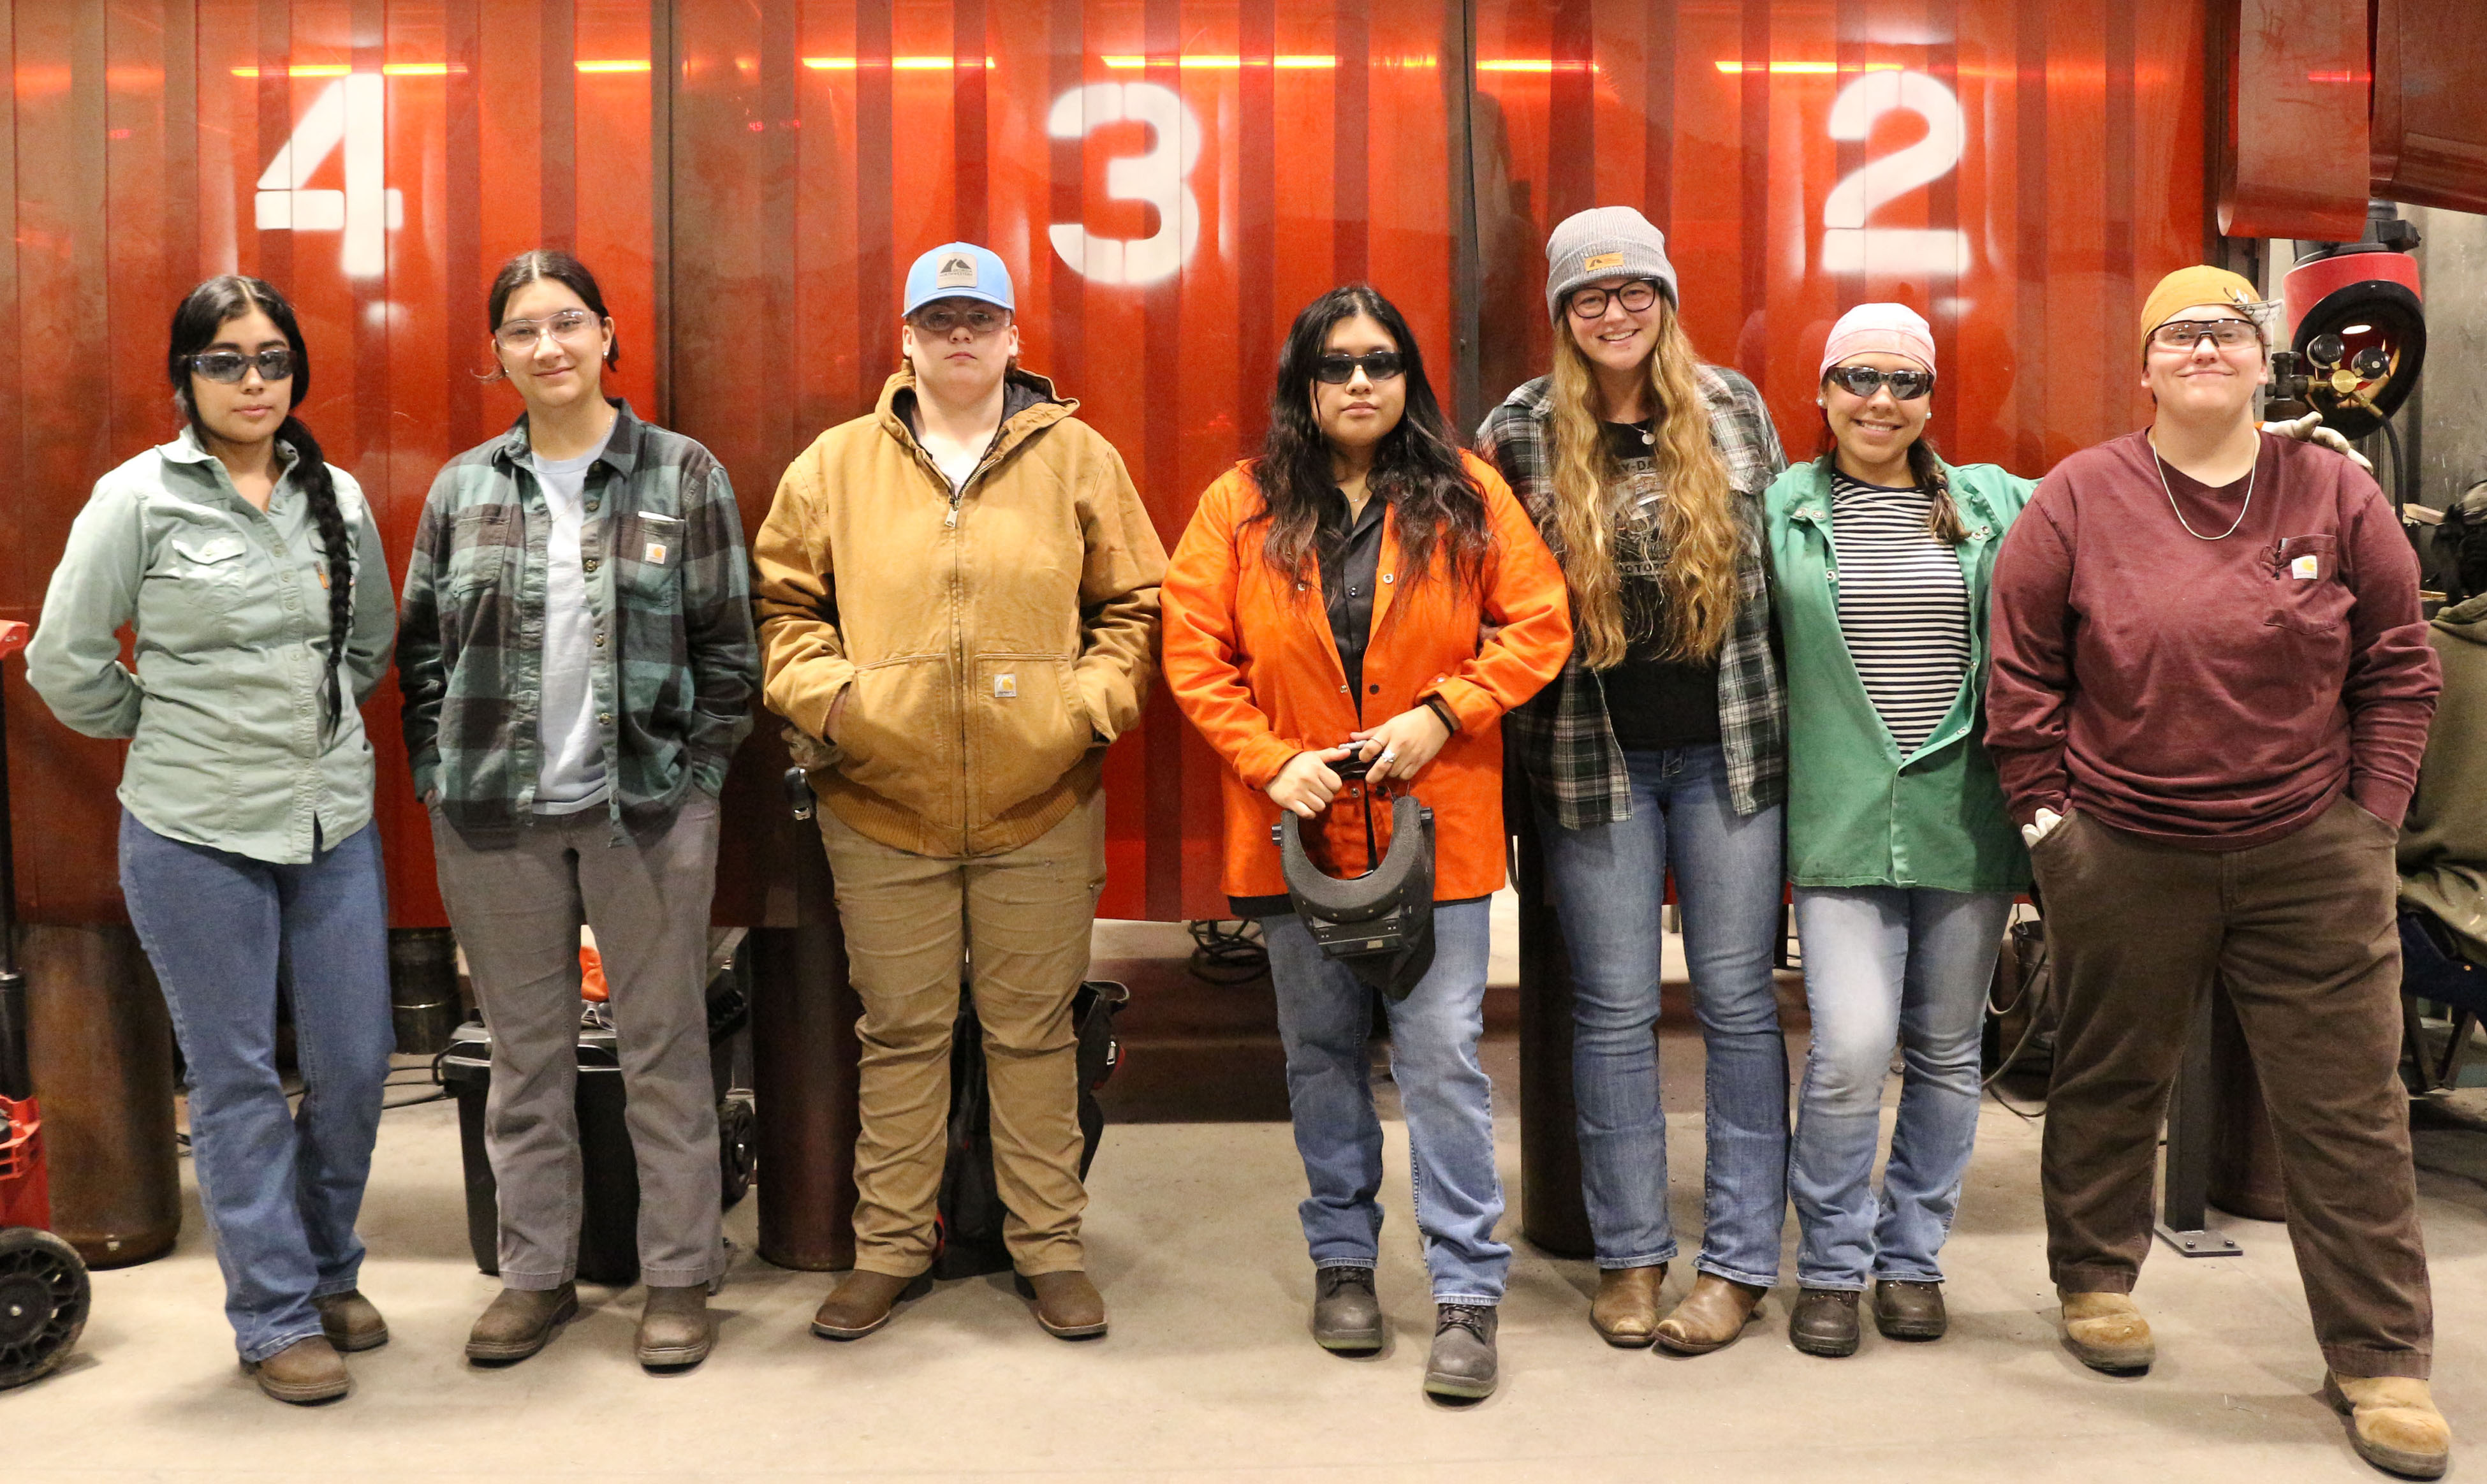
(1159, 179)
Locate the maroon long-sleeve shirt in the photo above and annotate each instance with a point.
(2209, 693)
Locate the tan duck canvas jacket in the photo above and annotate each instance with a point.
(995, 638)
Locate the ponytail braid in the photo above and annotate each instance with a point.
(310, 472)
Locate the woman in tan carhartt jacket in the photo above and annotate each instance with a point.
(958, 600)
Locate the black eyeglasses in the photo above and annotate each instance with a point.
(2185, 334)
(1637, 295)
(275, 364)
(1866, 380)
(1339, 370)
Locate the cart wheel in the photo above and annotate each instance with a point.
(738, 1147)
(43, 1294)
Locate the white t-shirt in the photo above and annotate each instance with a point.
(572, 773)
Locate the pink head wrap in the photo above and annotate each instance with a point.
(1895, 328)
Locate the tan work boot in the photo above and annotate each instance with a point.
(1625, 1311)
(1714, 1313)
(1067, 1305)
(351, 1321)
(519, 1323)
(2392, 1423)
(865, 1302)
(673, 1327)
(2107, 1332)
(304, 1372)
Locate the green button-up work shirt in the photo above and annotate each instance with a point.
(226, 707)
(1859, 812)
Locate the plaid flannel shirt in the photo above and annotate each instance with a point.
(1565, 745)
(671, 594)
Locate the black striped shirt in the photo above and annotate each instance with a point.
(1902, 606)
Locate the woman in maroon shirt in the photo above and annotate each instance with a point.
(2210, 691)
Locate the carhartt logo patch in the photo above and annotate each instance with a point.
(2304, 568)
(1599, 261)
(956, 271)
(655, 553)
(1005, 688)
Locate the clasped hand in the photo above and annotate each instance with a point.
(1398, 749)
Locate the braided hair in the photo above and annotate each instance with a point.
(203, 312)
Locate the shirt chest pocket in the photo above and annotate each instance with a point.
(2307, 595)
(648, 557)
(215, 561)
(479, 549)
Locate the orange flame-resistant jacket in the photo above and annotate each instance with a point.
(1249, 658)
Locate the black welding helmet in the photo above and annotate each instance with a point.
(1381, 924)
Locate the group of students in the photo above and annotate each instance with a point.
(2184, 682)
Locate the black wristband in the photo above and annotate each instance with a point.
(1442, 709)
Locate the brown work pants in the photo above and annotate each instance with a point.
(1021, 920)
(2300, 932)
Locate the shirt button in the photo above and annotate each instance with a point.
(1352, 593)
(1385, 577)
(593, 502)
(1373, 691)
(604, 718)
(1342, 690)
(599, 639)
(589, 564)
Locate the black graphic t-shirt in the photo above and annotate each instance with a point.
(1652, 702)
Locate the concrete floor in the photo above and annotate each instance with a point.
(1208, 1374)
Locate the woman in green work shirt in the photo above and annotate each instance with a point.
(249, 571)
(1904, 863)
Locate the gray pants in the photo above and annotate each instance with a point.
(517, 913)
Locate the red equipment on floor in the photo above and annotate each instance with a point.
(43, 1287)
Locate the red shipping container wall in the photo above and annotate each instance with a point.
(1169, 181)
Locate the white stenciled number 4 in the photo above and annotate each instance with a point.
(349, 116)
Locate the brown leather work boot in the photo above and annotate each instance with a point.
(1905, 1309)
(1067, 1305)
(2107, 1332)
(1625, 1311)
(865, 1302)
(519, 1323)
(673, 1329)
(304, 1372)
(1712, 1314)
(2392, 1423)
(351, 1321)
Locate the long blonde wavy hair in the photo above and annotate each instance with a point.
(1698, 519)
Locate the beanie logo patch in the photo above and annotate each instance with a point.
(1598, 262)
(956, 272)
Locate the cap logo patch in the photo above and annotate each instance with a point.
(1595, 261)
(956, 272)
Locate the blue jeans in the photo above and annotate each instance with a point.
(1324, 1020)
(1610, 883)
(1886, 965)
(281, 1189)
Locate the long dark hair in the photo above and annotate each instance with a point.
(562, 269)
(204, 313)
(1439, 508)
(1925, 471)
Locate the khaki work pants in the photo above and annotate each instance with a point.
(2300, 931)
(1021, 919)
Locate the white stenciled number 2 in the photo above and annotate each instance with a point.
(1159, 178)
(1848, 244)
(351, 115)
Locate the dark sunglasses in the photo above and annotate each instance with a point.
(1866, 380)
(275, 364)
(1339, 370)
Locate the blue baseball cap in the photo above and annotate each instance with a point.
(959, 270)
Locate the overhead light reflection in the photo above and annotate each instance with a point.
(896, 64)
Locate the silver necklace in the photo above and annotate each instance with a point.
(2161, 465)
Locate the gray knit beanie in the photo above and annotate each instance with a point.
(1606, 241)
